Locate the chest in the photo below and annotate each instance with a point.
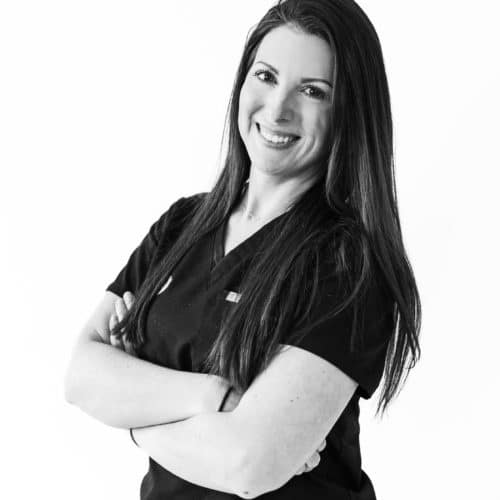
(185, 317)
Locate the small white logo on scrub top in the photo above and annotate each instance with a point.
(165, 286)
(233, 296)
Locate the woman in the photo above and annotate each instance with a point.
(281, 296)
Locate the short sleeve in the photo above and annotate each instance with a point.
(142, 259)
(330, 338)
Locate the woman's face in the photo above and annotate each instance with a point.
(285, 103)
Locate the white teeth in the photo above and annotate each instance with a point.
(277, 139)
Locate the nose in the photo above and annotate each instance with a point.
(279, 107)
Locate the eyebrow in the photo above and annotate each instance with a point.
(304, 80)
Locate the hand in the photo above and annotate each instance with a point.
(122, 307)
(313, 460)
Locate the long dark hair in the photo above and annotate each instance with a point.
(350, 212)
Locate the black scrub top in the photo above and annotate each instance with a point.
(183, 322)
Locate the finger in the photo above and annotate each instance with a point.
(115, 341)
(112, 323)
(310, 464)
(129, 348)
(301, 470)
(121, 309)
(322, 445)
(313, 461)
(129, 299)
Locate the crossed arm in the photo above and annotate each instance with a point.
(277, 426)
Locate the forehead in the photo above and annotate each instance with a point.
(288, 49)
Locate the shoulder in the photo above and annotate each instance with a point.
(175, 217)
(349, 268)
(186, 205)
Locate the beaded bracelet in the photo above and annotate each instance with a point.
(224, 399)
(132, 436)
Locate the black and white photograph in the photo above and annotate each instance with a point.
(250, 249)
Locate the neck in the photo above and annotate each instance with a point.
(264, 199)
(263, 215)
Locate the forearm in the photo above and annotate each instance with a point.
(206, 450)
(123, 391)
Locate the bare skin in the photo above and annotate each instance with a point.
(123, 305)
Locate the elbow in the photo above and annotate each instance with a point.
(76, 385)
(80, 392)
(74, 390)
(74, 379)
(256, 475)
(94, 406)
(70, 386)
(242, 485)
(235, 465)
(84, 389)
(249, 488)
(247, 492)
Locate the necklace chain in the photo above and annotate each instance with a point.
(253, 217)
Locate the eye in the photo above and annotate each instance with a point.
(262, 73)
(316, 93)
(311, 91)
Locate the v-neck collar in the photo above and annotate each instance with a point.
(222, 263)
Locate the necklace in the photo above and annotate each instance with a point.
(253, 218)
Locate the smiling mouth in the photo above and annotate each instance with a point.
(276, 139)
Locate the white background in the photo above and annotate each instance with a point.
(110, 111)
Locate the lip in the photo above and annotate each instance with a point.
(277, 132)
(275, 145)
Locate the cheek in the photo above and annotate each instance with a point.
(321, 127)
(243, 107)
(251, 98)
